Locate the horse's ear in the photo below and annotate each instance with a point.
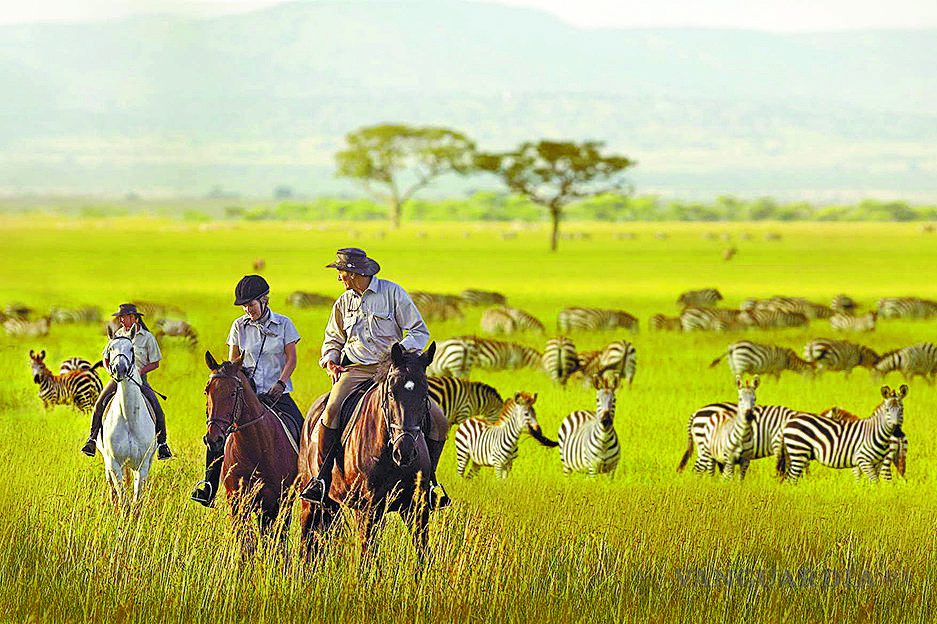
(210, 360)
(396, 355)
(237, 362)
(110, 332)
(428, 355)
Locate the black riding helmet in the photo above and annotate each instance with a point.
(249, 288)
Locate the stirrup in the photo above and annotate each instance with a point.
(309, 498)
(209, 501)
(437, 500)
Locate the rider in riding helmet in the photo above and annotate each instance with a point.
(146, 355)
(267, 342)
(367, 319)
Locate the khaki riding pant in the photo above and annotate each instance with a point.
(349, 380)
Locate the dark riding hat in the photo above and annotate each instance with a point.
(249, 288)
(127, 308)
(355, 261)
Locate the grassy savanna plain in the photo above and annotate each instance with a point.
(537, 546)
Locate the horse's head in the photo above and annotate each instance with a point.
(38, 364)
(408, 403)
(119, 355)
(226, 390)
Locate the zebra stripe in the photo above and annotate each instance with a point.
(768, 319)
(838, 355)
(843, 304)
(706, 421)
(906, 307)
(177, 329)
(438, 307)
(500, 355)
(732, 440)
(87, 314)
(475, 297)
(79, 388)
(705, 298)
(791, 305)
(848, 322)
(524, 320)
(586, 319)
(587, 440)
(919, 359)
(301, 299)
(842, 444)
(659, 322)
(27, 329)
(77, 363)
(498, 321)
(559, 359)
(478, 443)
(748, 357)
(897, 451)
(461, 399)
(616, 360)
(710, 319)
(454, 357)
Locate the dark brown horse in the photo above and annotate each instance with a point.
(259, 457)
(384, 458)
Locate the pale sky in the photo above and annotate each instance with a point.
(772, 15)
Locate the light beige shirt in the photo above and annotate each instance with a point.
(145, 348)
(364, 327)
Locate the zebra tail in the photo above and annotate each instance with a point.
(689, 452)
(783, 462)
(718, 359)
(97, 364)
(542, 439)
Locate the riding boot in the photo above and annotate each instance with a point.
(162, 449)
(205, 495)
(90, 446)
(438, 496)
(317, 492)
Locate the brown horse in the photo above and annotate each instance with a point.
(384, 457)
(259, 458)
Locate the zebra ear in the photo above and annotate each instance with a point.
(517, 397)
(210, 361)
(903, 391)
(42, 354)
(32, 354)
(738, 382)
(597, 382)
(885, 391)
(533, 399)
(755, 382)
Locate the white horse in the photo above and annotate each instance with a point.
(128, 437)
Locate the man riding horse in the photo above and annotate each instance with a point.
(366, 320)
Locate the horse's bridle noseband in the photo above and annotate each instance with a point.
(401, 430)
(132, 357)
(239, 403)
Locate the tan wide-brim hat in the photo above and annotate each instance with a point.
(354, 261)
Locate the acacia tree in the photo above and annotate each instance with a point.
(553, 174)
(391, 162)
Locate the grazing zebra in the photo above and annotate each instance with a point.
(838, 355)
(177, 329)
(87, 314)
(524, 320)
(19, 311)
(659, 322)
(732, 440)
(749, 357)
(842, 444)
(438, 307)
(27, 329)
(159, 310)
(559, 359)
(710, 319)
(897, 452)
(843, 304)
(461, 399)
(454, 357)
(474, 297)
(498, 321)
(792, 305)
(849, 322)
(587, 440)
(906, 307)
(500, 355)
(77, 363)
(704, 423)
(768, 319)
(617, 360)
(919, 359)
(478, 443)
(572, 319)
(302, 299)
(705, 298)
(79, 388)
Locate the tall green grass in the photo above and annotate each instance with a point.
(535, 547)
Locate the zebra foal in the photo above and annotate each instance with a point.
(79, 388)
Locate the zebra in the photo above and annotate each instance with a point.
(732, 441)
(897, 452)
(19, 311)
(478, 443)
(498, 321)
(906, 307)
(838, 355)
(177, 329)
(501, 355)
(524, 320)
(659, 322)
(156, 310)
(749, 357)
(87, 314)
(454, 357)
(919, 359)
(767, 319)
(27, 329)
(77, 363)
(559, 359)
(848, 322)
(587, 440)
(705, 421)
(302, 299)
(842, 444)
(793, 305)
(461, 399)
(710, 319)
(705, 298)
(79, 388)
(616, 360)
(843, 304)
(474, 297)
(438, 307)
(572, 319)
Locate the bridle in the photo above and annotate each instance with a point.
(132, 358)
(400, 431)
(239, 403)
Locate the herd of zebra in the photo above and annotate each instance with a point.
(167, 321)
(726, 435)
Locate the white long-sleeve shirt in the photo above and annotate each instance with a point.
(364, 327)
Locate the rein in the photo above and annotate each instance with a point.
(239, 403)
(401, 430)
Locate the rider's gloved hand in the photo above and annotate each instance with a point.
(276, 391)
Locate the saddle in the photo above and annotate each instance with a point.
(350, 407)
(149, 407)
(291, 427)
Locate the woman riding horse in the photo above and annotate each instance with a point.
(267, 343)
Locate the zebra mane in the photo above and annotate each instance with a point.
(839, 414)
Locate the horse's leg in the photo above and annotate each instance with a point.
(115, 475)
(418, 520)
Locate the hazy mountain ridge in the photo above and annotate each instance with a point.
(279, 87)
